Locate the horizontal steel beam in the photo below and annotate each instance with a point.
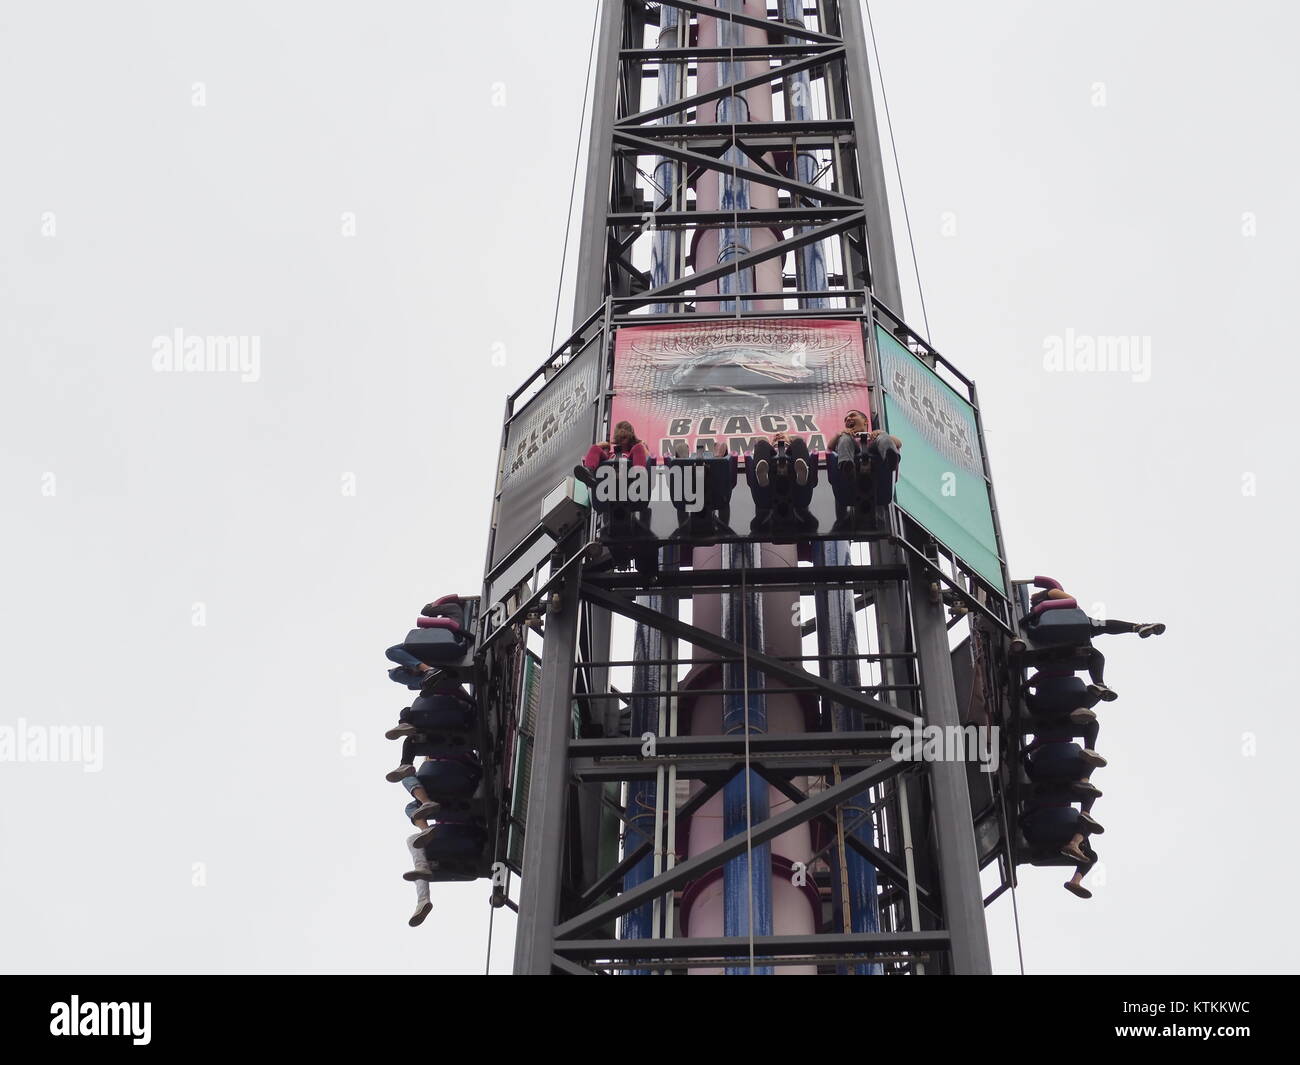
(832, 743)
(773, 667)
(731, 89)
(723, 15)
(744, 130)
(855, 294)
(693, 868)
(661, 149)
(815, 312)
(712, 768)
(768, 578)
(763, 143)
(744, 262)
(737, 947)
(741, 51)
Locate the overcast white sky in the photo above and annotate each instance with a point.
(1169, 213)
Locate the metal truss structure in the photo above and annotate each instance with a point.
(926, 828)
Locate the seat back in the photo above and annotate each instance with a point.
(454, 843)
(439, 646)
(783, 504)
(440, 714)
(719, 478)
(448, 778)
(1060, 695)
(1058, 628)
(620, 518)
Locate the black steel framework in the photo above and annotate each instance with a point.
(931, 843)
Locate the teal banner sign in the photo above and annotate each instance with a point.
(941, 478)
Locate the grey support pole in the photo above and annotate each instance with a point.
(884, 284)
(959, 880)
(543, 858)
(589, 288)
(880, 231)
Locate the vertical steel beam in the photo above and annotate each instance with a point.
(959, 879)
(543, 858)
(589, 286)
(880, 231)
(891, 613)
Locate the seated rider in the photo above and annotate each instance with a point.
(410, 670)
(781, 475)
(795, 448)
(449, 606)
(1051, 589)
(857, 437)
(625, 442)
(718, 479)
(1067, 830)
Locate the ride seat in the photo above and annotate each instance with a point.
(450, 778)
(782, 506)
(620, 518)
(719, 476)
(440, 712)
(449, 606)
(455, 843)
(443, 642)
(1060, 695)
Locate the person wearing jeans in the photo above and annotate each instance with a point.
(410, 670)
(883, 451)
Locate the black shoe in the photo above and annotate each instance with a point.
(1108, 695)
(581, 473)
(761, 473)
(1156, 628)
(432, 679)
(1077, 889)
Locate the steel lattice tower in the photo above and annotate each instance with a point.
(694, 193)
